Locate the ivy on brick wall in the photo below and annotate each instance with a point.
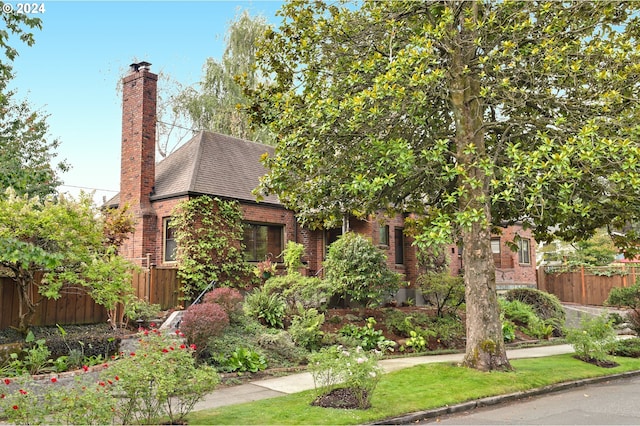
(209, 233)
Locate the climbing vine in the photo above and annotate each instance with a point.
(208, 233)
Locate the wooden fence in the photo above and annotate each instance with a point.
(158, 285)
(75, 306)
(585, 286)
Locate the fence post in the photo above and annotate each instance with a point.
(583, 286)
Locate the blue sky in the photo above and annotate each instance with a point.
(83, 50)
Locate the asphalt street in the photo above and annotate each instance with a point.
(615, 402)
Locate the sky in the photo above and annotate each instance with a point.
(84, 48)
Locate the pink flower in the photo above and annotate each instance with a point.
(192, 346)
(7, 381)
(53, 380)
(146, 333)
(153, 324)
(105, 365)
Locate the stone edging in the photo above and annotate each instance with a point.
(500, 399)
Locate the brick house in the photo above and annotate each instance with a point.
(229, 168)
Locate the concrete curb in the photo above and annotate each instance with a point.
(501, 399)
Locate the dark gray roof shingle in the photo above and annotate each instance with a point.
(212, 164)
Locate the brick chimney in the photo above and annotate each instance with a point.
(137, 169)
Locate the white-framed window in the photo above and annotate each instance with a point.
(524, 256)
(495, 245)
(262, 241)
(169, 245)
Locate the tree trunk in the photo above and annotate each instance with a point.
(485, 348)
(26, 307)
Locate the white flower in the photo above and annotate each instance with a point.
(360, 360)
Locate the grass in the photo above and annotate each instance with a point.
(414, 389)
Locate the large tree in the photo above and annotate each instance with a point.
(471, 114)
(216, 104)
(26, 154)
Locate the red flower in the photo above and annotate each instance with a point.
(15, 407)
(105, 365)
(132, 354)
(171, 348)
(183, 346)
(23, 392)
(146, 333)
(178, 332)
(7, 381)
(117, 378)
(1, 396)
(102, 383)
(164, 350)
(153, 324)
(192, 346)
(53, 380)
(85, 368)
(110, 382)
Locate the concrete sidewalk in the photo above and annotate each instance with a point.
(270, 388)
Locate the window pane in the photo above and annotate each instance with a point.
(170, 244)
(399, 246)
(384, 235)
(523, 251)
(495, 246)
(262, 241)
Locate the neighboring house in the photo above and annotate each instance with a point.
(230, 168)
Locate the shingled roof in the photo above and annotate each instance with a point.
(211, 164)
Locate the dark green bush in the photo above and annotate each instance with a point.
(311, 292)
(358, 271)
(627, 347)
(546, 306)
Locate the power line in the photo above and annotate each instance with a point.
(91, 189)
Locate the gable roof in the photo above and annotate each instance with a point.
(211, 164)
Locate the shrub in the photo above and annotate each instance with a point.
(447, 330)
(517, 312)
(160, 379)
(292, 257)
(546, 306)
(358, 270)
(229, 298)
(305, 328)
(627, 297)
(443, 291)
(138, 310)
(355, 369)
(627, 347)
(508, 331)
(311, 292)
(402, 324)
(201, 322)
(367, 337)
(267, 308)
(594, 339)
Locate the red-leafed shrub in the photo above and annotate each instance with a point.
(203, 321)
(229, 298)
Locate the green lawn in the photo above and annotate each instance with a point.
(413, 389)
